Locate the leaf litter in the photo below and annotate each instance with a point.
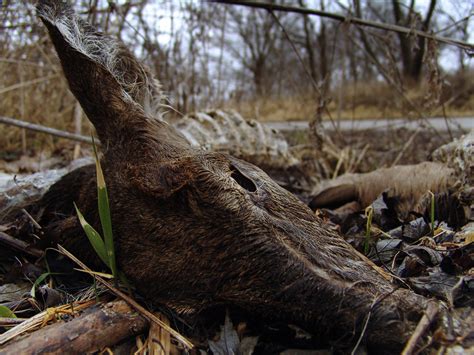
(429, 250)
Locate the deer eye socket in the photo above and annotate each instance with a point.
(242, 180)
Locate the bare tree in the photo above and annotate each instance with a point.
(258, 34)
(412, 49)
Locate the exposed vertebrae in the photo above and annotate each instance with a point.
(228, 131)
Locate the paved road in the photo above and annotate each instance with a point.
(439, 123)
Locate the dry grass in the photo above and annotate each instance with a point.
(33, 89)
(369, 100)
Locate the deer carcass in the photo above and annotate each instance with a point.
(194, 229)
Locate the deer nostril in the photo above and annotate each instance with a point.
(242, 180)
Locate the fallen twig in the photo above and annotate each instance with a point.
(30, 217)
(102, 327)
(425, 321)
(43, 129)
(39, 319)
(20, 245)
(9, 322)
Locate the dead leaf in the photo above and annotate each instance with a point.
(228, 343)
(13, 291)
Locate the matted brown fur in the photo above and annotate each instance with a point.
(196, 230)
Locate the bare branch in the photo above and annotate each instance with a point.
(357, 21)
(43, 129)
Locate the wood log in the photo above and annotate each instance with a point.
(100, 327)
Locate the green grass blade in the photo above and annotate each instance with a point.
(39, 280)
(104, 214)
(432, 213)
(94, 238)
(6, 312)
(105, 219)
(369, 211)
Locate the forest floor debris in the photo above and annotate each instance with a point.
(425, 251)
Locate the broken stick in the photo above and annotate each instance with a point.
(101, 327)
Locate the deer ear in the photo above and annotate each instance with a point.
(163, 180)
(117, 93)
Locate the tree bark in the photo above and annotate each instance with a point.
(323, 58)
(418, 59)
(412, 60)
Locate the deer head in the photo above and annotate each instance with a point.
(197, 229)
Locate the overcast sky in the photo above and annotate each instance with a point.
(448, 59)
